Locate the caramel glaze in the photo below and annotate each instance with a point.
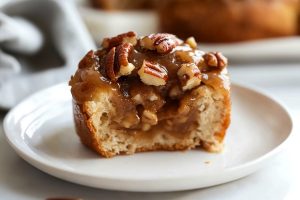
(172, 117)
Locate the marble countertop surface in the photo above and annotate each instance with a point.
(280, 179)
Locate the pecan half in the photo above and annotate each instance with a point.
(116, 62)
(129, 37)
(153, 73)
(160, 42)
(110, 67)
(123, 52)
(215, 59)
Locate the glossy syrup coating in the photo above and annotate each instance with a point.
(151, 102)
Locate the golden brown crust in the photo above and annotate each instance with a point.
(226, 121)
(86, 131)
(229, 21)
(220, 135)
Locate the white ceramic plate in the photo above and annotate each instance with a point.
(41, 130)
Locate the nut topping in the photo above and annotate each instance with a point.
(137, 99)
(215, 59)
(110, 67)
(129, 37)
(153, 74)
(153, 97)
(116, 62)
(191, 42)
(163, 43)
(156, 82)
(185, 56)
(189, 76)
(130, 120)
(123, 53)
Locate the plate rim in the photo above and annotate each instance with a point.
(34, 159)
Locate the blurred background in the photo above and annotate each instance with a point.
(208, 21)
(42, 41)
(243, 30)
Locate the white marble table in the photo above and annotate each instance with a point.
(279, 180)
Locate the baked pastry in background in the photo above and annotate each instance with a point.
(298, 17)
(124, 4)
(229, 20)
(151, 93)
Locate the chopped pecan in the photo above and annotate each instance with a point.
(137, 99)
(129, 37)
(146, 96)
(130, 120)
(185, 56)
(146, 127)
(161, 42)
(153, 73)
(149, 117)
(191, 42)
(189, 76)
(215, 59)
